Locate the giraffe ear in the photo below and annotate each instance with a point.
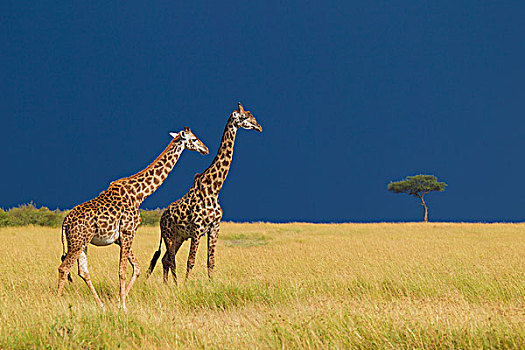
(175, 134)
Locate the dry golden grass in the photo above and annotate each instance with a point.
(427, 286)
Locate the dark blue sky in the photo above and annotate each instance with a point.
(350, 95)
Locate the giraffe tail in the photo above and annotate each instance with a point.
(64, 254)
(154, 259)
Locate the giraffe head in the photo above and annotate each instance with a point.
(244, 119)
(190, 141)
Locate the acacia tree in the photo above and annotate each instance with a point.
(418, 186)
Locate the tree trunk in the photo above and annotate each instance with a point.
(426, 209)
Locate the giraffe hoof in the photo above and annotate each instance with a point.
(123, 307)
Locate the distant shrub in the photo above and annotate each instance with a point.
(4, 218)
(29, 214)
(151, 217)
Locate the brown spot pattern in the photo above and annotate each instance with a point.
(113, 217)
(198, 212)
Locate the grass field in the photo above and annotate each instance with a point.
(434, 285)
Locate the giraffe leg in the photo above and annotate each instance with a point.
(212, 241)
(136, 270)
(125, 247)
(191, 257)
(65, 267)
(172, 252)
(83, 272)
(166, 264)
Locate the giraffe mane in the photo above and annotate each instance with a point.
(176, 138)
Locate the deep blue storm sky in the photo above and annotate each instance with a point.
(350, 95)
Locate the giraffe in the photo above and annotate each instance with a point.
(198, 212)
(113, 216)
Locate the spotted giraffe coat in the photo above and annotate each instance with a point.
(198, 212)
(113, 216)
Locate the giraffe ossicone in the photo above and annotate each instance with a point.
(113, 216)
(198, 212)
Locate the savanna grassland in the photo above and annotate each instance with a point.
(434, 285)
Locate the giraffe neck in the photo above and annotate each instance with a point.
(213, 178)
(145, 182)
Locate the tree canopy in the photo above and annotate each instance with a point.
(418, 186)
